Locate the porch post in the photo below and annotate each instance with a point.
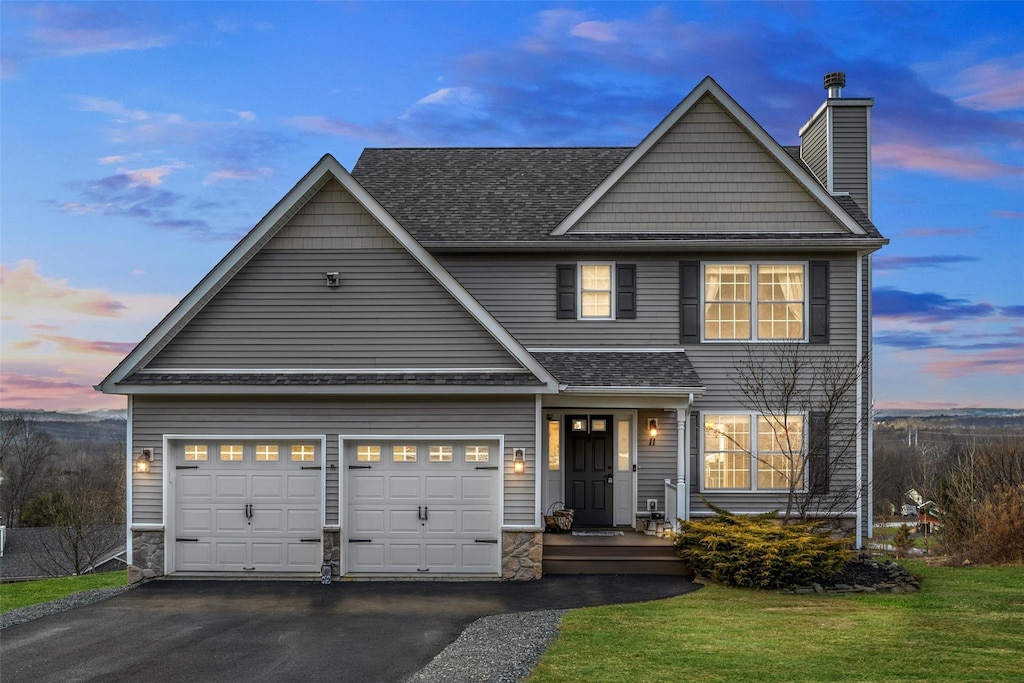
(682, 459)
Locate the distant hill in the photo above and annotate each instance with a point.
(96, 425)
(969, 418)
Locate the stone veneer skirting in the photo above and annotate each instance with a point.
(521, 555)
(148, 553)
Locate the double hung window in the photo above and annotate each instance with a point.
(749, 452)
(754, 301)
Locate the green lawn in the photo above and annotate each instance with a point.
(966, 624)
(24, 593)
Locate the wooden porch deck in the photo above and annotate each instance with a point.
(630, 553)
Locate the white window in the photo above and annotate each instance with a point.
(195, 452)
(403, 453)
(231, 452)
(744, 301)
(367, 453)
(622, 462)
(266, 453)
(753, 452)
(441, 454)
(554, 445)
(596, 288)
(303, 453)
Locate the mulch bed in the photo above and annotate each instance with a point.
(866, 575)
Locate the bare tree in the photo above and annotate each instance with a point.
(806, 397)
(84, 511)
(26, 456)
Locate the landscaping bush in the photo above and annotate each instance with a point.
(758, 552)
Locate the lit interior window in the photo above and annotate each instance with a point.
(441, 454)
(304, 453)
(368, 453)
(195, 452)
(266, 453)
(554, 445)
(403, 453)
(231, 452)
(478, 454)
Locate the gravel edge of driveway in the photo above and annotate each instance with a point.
(502, 648)
(45, 609)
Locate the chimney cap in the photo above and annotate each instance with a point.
(835, 79)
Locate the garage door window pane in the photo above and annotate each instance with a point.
(478, 454)
(266, 453)
(195, 452)
(303, 453)
(403, 453)
(440, 454)
(368, 454)
(231, 452)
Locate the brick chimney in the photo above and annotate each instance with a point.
(836, 143)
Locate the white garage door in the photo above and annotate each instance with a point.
(418, 507)
(247, 506)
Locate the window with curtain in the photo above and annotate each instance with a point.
(751, 452)
(754, 301)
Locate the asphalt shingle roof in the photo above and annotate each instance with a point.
(486, 194)
(639, 369)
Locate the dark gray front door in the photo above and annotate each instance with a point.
(588, 470)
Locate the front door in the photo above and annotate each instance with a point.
(588, 473)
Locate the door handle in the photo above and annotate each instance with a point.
(426, 515)
(248, 511)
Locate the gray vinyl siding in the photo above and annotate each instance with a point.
(707, 174)
(850, 149)
(814, 148)
(277, 311)
(524, 300)
(655, 463)
(514, 418)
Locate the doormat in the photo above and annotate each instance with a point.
(597, 532)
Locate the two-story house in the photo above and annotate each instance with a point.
(403, 367)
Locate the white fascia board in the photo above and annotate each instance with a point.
(607, 349)
(674, 392)
(327, 165)
(333, 371)
(709, 86)
(654, 244)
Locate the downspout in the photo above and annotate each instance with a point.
(129, 512)
(860, 401)
(870, 512)
(538, 465)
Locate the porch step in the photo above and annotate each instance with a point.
(631, 553)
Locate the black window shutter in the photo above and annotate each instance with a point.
(695, 426)
(818, 463)
(565, 283)
(625, 295)
(818, 287)
(689, 302)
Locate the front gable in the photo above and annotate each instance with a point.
(709, 169)
(268, 314)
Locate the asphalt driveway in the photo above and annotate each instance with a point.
(286, 631)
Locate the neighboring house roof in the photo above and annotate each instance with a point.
(637, 370)
(484, 194)
(35, 552)
(327, 168)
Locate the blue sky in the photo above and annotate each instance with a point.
(140, 141)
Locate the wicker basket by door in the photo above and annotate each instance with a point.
(558, 518)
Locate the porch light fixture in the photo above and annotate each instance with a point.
(144, 461)
(652, 430)
(333, 279)
(518, 461)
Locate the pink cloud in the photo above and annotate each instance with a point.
(52, 393)
(237, 174)
(601, 31)
(995, 85)
(25, 288)
(1007, 361)
(75, 345)
(957, 163)
(1012, 215)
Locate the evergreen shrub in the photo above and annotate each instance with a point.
(759, 552)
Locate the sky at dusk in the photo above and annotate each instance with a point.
(140, 141)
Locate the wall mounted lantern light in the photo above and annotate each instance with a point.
(518, 461)
(333, 279)
(144, 462)
(652, 430)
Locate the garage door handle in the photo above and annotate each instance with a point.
(485, 540)
(187, 540)
(186, 467)
(488, 467)
(310, 467)
(360, 467)
(360, 540)
(309, 540)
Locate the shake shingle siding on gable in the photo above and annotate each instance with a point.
(707, 174)
(277, 312)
